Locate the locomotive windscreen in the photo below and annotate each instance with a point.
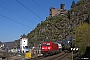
(45, 44)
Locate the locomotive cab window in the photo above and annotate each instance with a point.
(47, 44)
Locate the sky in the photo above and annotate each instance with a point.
(19, 17)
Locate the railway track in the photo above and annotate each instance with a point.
(60, 56)
(57, 56)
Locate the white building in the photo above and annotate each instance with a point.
(23, 42)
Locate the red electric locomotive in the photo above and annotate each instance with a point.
(49, 48)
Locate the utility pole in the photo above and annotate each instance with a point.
(72, 54)
(72, 49)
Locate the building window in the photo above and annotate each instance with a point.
(23, 47)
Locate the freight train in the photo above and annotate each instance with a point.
(49, 48)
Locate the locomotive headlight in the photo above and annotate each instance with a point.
(48, 47)
(42, 48)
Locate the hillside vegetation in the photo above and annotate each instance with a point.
(83, 38)
(52, 29)
(58, 27)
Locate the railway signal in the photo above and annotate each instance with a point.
(74, 49)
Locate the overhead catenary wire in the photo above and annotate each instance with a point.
(29, 9)
(15, 13)
(15, 21)
(39, 6)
